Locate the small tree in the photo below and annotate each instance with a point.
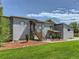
(0, 44)
(75, 26)
(1, 41)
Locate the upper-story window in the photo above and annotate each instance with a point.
(51, 27)
(43, 26)
(22, 23)
(40, 27)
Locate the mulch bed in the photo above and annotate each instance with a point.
(12, 45)
(19, 44)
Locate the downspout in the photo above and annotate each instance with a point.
(41, 32)
(30, 22)
(63, 31)
(11, 28)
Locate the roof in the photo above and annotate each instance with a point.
(31, 19)
(49, 21)
(56, 31)
(23, 17)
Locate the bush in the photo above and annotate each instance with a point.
(54, 36)
(76, 34)
(4, 29)
(1, 43)
(58, 36)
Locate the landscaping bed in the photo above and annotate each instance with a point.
(19, 44)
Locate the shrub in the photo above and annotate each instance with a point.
(53, 36)
(58, 36)
(5, 29)
(76, 34)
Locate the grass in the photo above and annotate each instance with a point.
(65, 50)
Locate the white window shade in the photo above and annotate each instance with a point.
(22, 23)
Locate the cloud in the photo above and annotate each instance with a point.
(69, 21)
(35, 15)
(74, 11)
(65, 17)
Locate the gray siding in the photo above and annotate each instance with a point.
(20, 28)
(46, 27)
(67, 32)
(59, 27)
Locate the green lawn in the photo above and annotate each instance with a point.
(65, 50)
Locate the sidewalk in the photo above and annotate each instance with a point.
(75, 38)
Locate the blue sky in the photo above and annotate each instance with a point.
(26, 7)
(23, 7)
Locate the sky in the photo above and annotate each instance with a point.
(42, 9)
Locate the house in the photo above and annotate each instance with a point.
(38, 30)
(17, 28)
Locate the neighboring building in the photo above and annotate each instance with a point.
(38, 30)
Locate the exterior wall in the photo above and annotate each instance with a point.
(20, 28)
(45, 29)
(59, 28)
(38, 27)
(67, 32)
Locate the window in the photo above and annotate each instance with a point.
(43, 26)
(69, 30)
(39, 27)
(22, 23)
(51, 27)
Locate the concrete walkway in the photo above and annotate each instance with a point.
(65, 40)
(54, 41)
(75, 38)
